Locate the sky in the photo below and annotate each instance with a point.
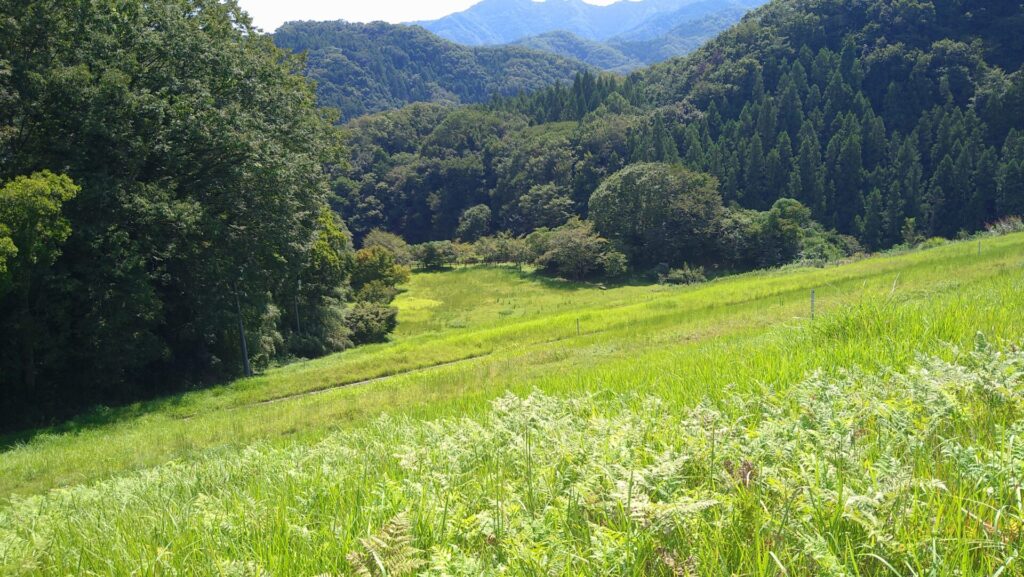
(269, 14)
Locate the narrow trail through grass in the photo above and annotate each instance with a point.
(468, 336)
(359, 383)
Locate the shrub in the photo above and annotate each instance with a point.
(933, 242)
(684, 275)
(266, 342)
(501, 248)
(435, 255)
(573, 249)
(615, 264)
(486, 250)
(371, 322)
(466, 253)
(321, 330)
(377, 292)
(377, 264)
(1008, 225)
(820, 247)
(392, 242)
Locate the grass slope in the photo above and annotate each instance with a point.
(468, 336)
(673, 431)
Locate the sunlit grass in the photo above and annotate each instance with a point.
(467, 336)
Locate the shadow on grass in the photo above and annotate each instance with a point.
(530, 274)
(97, 417)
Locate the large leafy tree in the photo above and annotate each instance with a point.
(7, 250)
(572, 250)
(31, 210)
(200, 154)
(658, 212)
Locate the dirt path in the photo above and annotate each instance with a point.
(359, 383)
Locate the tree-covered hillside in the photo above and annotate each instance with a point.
(361, 68)
(681, 32)
(600, 55)
(887, 120)
(663, 36)
(503, 21)
(163, 207)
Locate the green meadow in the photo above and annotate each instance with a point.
(528, 426)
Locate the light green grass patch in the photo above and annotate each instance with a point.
(683, 344)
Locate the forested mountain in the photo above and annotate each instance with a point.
(600, 55)
(617, 38)
(682, 31)
(163, 192)
(655, 40)
(361, 68)
(504, 21)
(886, 120)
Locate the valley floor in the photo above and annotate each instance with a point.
(547, 427)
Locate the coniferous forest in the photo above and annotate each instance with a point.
(886, 121)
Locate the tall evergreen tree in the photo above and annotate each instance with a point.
(872, 224)
(755, 176)
(941, 205)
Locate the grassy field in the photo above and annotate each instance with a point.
(651, 430)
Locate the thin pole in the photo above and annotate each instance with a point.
(298, 323)
(241, 335)
(812, 304)
(577, 327)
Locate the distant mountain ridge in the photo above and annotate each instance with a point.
(597, 54)
(365, 68)
(506, 21)
(658, 38)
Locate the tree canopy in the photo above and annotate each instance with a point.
(874, 115)
(198, 211)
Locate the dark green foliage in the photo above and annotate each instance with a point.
(781, 237)
(435, 255)
(867, 113)
(543, 206)
(362, 68)
(572, 250)
(597, 54)
(202, 209)
(658, 213)
(370, 322)
(683, 275)
(474, 223)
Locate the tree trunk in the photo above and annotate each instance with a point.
(241, 335)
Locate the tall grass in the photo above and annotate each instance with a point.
(681, 343)
(916, 472)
